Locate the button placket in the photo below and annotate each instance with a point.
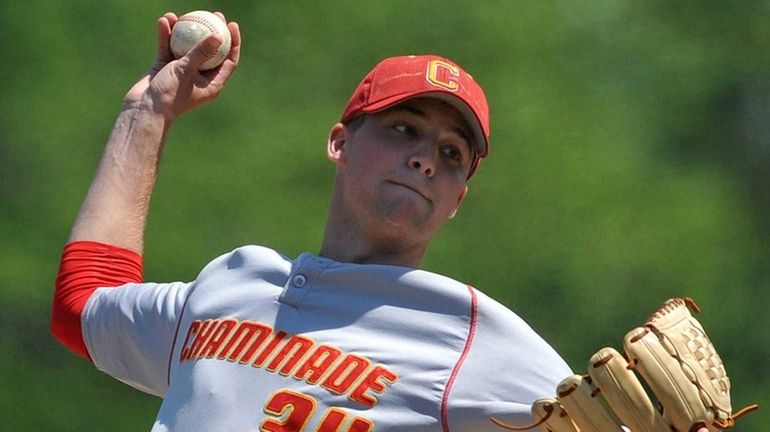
(303, 275)
(299, 280)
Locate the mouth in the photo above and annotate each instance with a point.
(411, 188)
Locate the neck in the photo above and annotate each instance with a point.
(346, 239)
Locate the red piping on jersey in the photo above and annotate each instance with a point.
(173, 343)
(84, 267)
(458, 365)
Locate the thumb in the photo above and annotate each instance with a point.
(204, 50)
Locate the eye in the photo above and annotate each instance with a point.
(452, 152)
(404, 128)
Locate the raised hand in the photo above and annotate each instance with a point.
(115, 208)
(173, 87)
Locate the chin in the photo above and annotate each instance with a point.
(402, 212)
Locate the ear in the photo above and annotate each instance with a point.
(460, 200)
(335, 145)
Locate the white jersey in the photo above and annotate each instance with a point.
(262, 342)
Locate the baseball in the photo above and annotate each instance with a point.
(191, 28)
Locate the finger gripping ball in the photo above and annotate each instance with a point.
(194, 26)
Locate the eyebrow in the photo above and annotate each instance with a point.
(460, 131)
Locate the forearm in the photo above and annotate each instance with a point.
(115, 208)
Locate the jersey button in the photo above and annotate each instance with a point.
(299, 281)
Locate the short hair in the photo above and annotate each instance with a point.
(355, 123)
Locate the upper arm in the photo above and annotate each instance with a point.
(103, 312)
(84, 267)
(507, 367)
(130, 331)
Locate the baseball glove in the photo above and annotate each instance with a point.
(678, 363)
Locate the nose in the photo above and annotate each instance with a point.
(424, 159)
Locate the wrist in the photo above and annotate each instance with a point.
(149, 109)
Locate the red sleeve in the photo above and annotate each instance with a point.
(84, 267)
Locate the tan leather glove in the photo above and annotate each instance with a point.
(678, 363)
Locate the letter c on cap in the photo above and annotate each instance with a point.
(451, 71)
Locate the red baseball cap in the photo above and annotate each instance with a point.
(397, 79)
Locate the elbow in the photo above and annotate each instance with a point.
(65, 323)
(85, 266)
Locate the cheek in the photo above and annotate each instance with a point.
(375, 159)
(455, 194)
(364, 169)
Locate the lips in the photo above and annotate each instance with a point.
(411, 188)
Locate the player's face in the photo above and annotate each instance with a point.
(404, 169)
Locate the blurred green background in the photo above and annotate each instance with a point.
(630, 164)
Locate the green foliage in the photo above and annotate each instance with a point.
(629, 165)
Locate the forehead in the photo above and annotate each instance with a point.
(434, 108)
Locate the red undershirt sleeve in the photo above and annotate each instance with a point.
(84, 267)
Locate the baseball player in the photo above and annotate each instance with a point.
(352, 338)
